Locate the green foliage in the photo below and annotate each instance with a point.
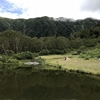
(80, 71)
(50, 36)
(84, 33)
(83, 49)
(60, 67)
(46, 26)
(44, 52)
(12, 61)
(3, 58)
(35, 55)
(87, 58)
(10, 52)
(14, 42)
(76, 43)
(78, 51)
(40, 60)
(24, 55)
(91, 42)
(98, 45)
(82, 56)
(90, 54)
(57, 51)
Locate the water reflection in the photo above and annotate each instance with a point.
(47, 85)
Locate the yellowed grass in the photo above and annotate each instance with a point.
(74, 63)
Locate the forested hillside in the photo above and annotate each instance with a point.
(46, 26)
(48, 36)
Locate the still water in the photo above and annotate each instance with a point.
(48, 85)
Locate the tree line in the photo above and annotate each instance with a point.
(15, 41)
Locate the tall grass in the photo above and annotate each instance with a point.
(74, 63)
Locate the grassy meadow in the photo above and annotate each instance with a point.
(74, 63)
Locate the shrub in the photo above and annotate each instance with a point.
(12, 61)
(87, 58)
(57, 51)
(59, 67)
(74, 53)
(82, 56)
(70, 56)
(24, 55)
(35, 55)
(82, 48)
(3, 59)
(98, 56)
(1, 63)
(91, 54)
(40, 60)
(80, 71)
(78, 51)
(44, 52)
(10, 52)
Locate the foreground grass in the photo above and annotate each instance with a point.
(74, 63)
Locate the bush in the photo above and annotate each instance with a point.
(82, 48)
(24, 55)
(78, 51)
(70, 56)
(81, 56)
(40, 60)
(57, 51)
(10, 52)
(80, 71)
(59, 67)
(98, 56)
(35, 55)
(12, 61)
(3, 59)
(87, 58)
(91, 54)
(44, 52)
(98, 46)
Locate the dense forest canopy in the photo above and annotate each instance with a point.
(46, 26)
(47, 35)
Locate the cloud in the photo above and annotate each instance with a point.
(8, 7)
(90, 5)
(76, 9)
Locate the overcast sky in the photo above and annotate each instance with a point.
(76, 9)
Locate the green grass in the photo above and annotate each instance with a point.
(74, 63)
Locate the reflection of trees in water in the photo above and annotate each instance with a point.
(48, 85)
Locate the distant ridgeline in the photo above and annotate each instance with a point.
(47, 26)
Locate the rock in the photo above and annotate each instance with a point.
(32, 63)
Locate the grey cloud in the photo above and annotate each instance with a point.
(90, 5)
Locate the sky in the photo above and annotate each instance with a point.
(74, 9)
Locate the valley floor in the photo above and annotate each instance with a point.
(74, 63)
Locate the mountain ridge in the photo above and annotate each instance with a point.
(47, 26)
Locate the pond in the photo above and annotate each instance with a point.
(43, 84)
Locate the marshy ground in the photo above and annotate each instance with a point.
(74, 63)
